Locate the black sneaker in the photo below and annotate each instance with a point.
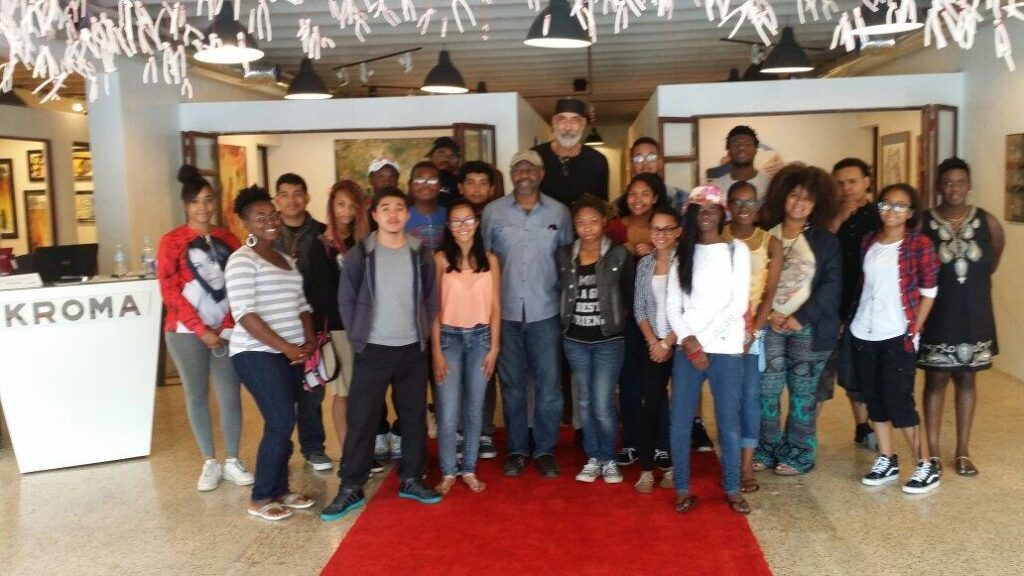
(412, 489)
(487, 449)
(349, 498)
(514, 465)
(662, 459)
(547, 466)
(925, 478)
(699, 437)
(885, 470)
(376, 467)
(626, 457)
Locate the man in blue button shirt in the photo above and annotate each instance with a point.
(525, 229)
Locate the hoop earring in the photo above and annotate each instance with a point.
(250, 240)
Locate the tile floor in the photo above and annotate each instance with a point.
(145, 517)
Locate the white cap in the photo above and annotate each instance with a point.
(381, 162)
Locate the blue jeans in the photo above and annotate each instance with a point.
(725, 375)
(461, 392)
(595, 369)
(275, 385)
(530, 353)
(750, 400)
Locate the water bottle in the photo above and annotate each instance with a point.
(148, 258)
(119, 261)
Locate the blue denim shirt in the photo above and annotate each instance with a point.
(525, 243)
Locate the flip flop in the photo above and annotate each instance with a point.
(474, 483)
(748, 485)
(786, 470)
(684, 505)
(758, 466)
(965, 467)
(296, 501)
(738, 504)
(272, 511)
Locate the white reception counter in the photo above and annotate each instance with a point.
(79, 366)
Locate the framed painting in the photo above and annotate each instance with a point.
(36, 166)
(38, 219)
(894, 166)
(352, 157)
(81, 162)
(85, 211)
(234, 176)
(8, 206)
(1014, 178)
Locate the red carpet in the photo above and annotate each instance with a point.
(531, 525)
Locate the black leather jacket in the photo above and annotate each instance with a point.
(616, 272)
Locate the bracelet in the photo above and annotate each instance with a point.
(695, 354)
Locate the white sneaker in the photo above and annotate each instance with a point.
(610, 472)
(234, 471)
(396, 446)
(381, 448)
(591, 471)
(210, 478)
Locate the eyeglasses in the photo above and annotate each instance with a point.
(662, 231)
(427, 181)
(264, 220)
(893, 207)
(464, 222)
(751, 203)
(641, 158)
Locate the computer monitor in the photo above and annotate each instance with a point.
(55, 262)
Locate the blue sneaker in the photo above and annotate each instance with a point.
(414, 490)
(348, 499)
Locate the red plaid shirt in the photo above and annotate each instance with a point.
(919, 268)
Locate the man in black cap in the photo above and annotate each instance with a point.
(570, 168)
(444, 154)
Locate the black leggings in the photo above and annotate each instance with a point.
(653, 396)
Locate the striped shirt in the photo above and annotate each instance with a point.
(646, 301)
(255, 286)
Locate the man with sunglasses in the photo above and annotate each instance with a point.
(645, 158)
(426, 215)
(856, 218)
(570, 168)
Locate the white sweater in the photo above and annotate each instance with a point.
(713, 310)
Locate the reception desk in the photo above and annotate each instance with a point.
(79, 371)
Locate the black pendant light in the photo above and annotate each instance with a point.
(594, 139)
(231, 51)
(788, 57)
(307, 85)
(444, 78)
(563, 30)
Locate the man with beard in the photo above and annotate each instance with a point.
(741, 144)
(570, 168)
(445, 156)
(525, 229)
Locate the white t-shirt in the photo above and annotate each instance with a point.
(659, 284)
(880, 313)
(713, 310)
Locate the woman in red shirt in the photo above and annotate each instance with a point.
(190, 268)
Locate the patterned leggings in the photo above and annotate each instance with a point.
(792, 364)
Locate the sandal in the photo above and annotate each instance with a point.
(965, 467)
(758, 466)
(786, 470)
(445, 486)
(738, 504)
(296, 501)
(748, 485)
(474, 483)
(272, 511)
(685, 503)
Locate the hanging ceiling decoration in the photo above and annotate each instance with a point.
(55, 39)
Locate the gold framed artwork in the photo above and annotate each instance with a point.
(234, 176)
(1014, 178)
(85, 211)
(36, 166)
(8, 206)
(895, 159)
(38, 219)
(353, 157)
(81, 162)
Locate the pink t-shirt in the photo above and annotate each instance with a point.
(466, 298)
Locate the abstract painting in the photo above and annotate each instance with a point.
(1015, 178)
(8, 208)
(352, 157)
(37, 219)
(85, 211)
(36, 166)
(233, 177)
(81, 162)
(895, 159)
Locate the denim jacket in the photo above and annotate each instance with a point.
(615, 280)
(356, 290)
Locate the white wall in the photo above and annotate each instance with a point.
(646, 123)
(990, 112)
(533, 129)
(615, 149)
(61, 129)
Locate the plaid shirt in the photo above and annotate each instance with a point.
(645, 307)
(919, 268)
